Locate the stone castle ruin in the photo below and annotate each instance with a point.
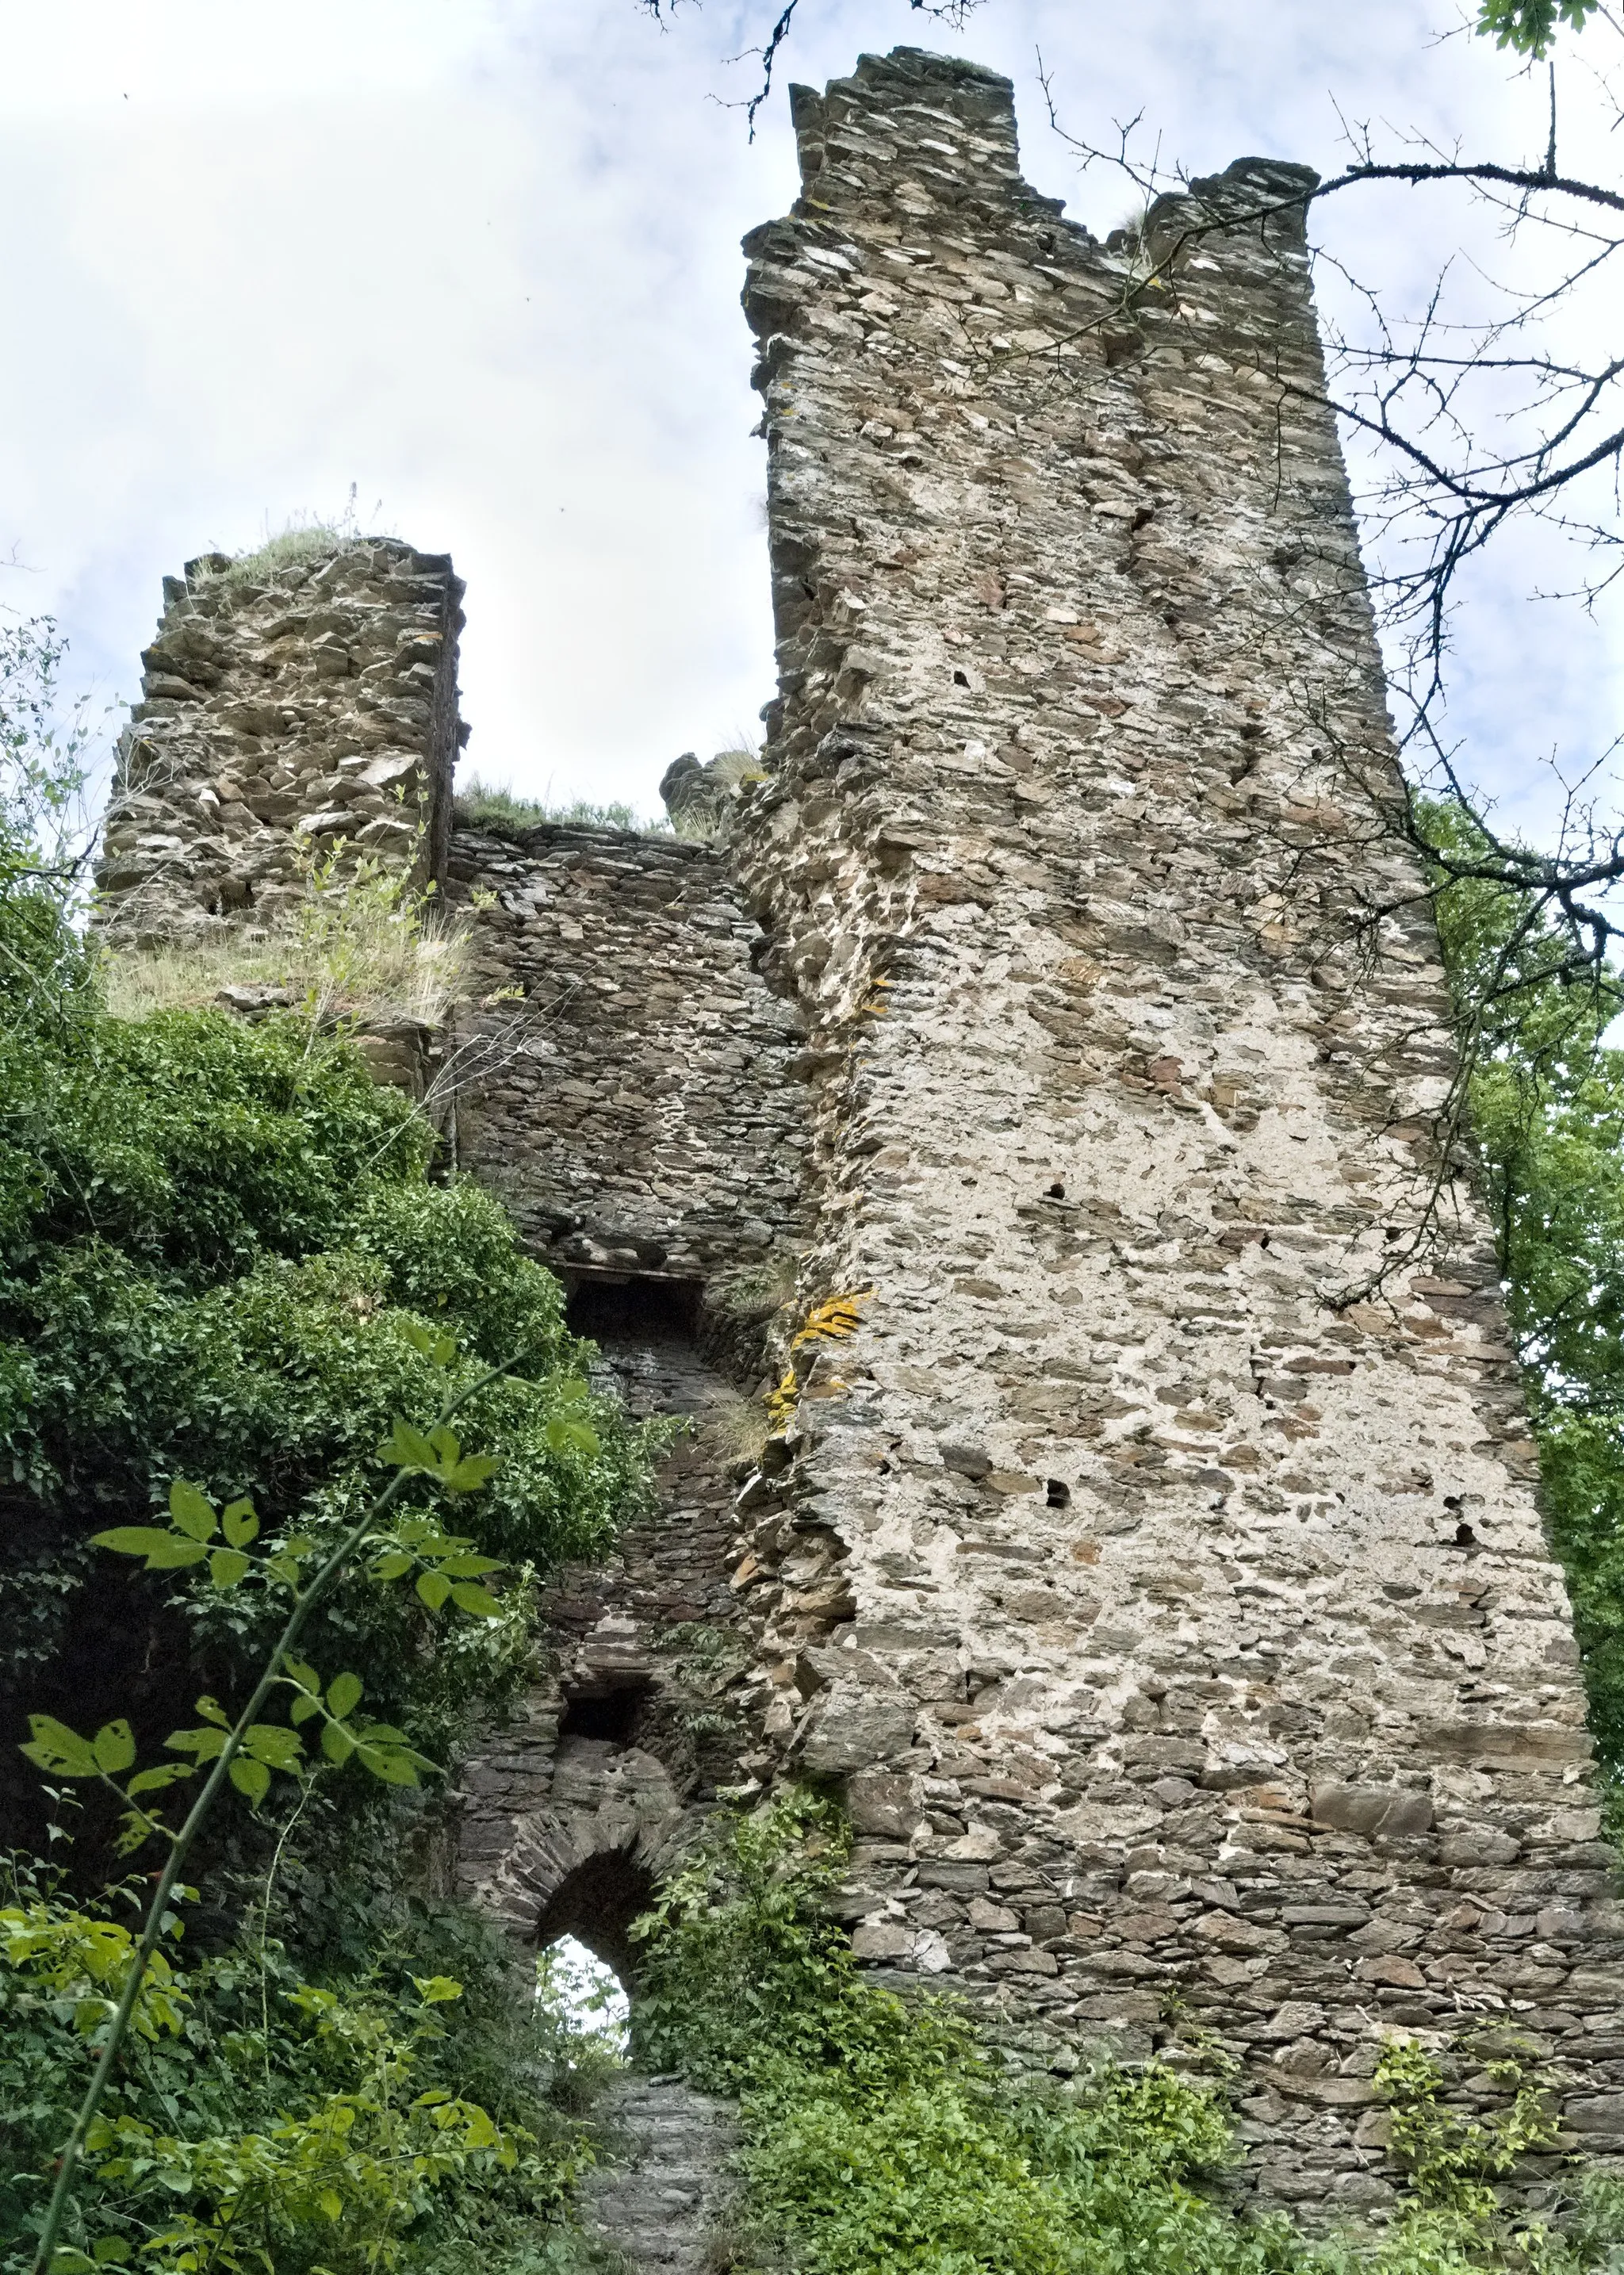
(1146, 1541)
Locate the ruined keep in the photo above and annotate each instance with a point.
(1156, 1568)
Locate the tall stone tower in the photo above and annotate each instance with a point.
(1155, 1567)
(1204, 1651)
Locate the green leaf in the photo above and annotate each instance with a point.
(408, 1449)
(393, 1763)
(343, 1695)
(433, 1588)
(153, 1780)
(393, 1566)
(566, 1437)
(435, 1989)
(111, 2250)
(173, 1552)
(239, 1522)
(251, 1778)
(227, 1566)
(207, 1745)
(468, 1597)
(1528, 27)
(336, 1743)
(58, 1748)
(134, 1539)
(470, 1567)
(272, 1743)
(114, 1747)
(193, 1511)
(476, 1470)
(445, 1443)
(439, 1349)
(307, 1677)
(303, 1707)
(212, 1711)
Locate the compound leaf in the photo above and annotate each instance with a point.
(193, 1511)
(251, 1778)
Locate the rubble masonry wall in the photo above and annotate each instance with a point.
(282, 710)
(625, 1081)
(1205, 1655)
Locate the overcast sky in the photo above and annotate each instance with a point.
(479, 260)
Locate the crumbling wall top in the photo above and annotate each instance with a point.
(288, 701)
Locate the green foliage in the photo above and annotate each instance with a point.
(1529, 26)
(222, 1259)
(263, 2121)
(44, 741)
(1453, 2161)
(880, 2137)
(493, 806)
(1547, 1105)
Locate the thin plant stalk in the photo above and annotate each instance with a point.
(181, 1842)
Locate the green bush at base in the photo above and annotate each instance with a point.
(882, 2139)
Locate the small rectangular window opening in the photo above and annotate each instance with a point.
(611, 1715)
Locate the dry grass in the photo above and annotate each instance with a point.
(734, 1427)
(301, 546)
(361, 948)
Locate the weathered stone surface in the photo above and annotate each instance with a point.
(1178, 1464)
(663, 2194)
(314, 703)
(1157, 1562)
(626, 1086)
(851, 1728)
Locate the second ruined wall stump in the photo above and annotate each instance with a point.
(283, 710)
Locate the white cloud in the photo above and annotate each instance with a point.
(482, 260)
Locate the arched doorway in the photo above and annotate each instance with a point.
(595, 1905)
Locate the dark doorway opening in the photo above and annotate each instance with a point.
(615, 1310)
(596, 1904)
(647, 1333)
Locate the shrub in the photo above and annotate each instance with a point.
(262, 2120)
(882, 2137)
(218, 1244)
